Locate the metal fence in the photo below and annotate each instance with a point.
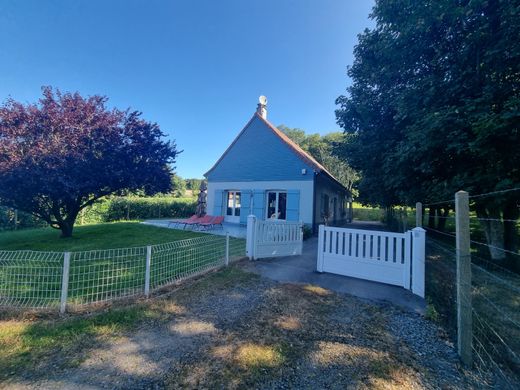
(475, 296)
(31, 279)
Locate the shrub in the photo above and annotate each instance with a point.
(154, 207)
(112, 209)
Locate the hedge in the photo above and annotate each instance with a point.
(146, 208)
(112, 209)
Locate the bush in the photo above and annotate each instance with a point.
(24, 220)
(144, 208)
(307, 232)
(112, 209)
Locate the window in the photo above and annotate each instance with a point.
(233, 204)
(276, 204)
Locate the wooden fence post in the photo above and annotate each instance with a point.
(250, 237)
(227, 249)
(418, 260)
(147, 271)
(321, 235)
(418, 214)
(65, 282)
(464, 312)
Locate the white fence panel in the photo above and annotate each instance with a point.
(273, 238)
(373, 255)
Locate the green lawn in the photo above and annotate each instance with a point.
(90, 237)
(99, 270)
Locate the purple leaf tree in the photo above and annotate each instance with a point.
(65, 152)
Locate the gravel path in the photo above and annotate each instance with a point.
(234, 329)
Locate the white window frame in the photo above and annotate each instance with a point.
(234, 192)
(277, 192)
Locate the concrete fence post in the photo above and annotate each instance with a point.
(418, 214)
(147, 271)
(464, 312)
(250, 237)
(227, 250)
(321, 235)
(418, 260)
(65, 282)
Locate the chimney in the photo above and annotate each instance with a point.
(261, 109)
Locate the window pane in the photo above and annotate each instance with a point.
(229, 210)
(282, 205)
(237, 204)
(271, 205)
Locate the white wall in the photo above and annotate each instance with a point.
(305, 187)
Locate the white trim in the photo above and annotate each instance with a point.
(304, 186)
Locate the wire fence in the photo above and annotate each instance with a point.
(495, 288)
(51, 280)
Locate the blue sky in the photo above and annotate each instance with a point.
(194, 67)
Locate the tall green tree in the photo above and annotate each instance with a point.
(325, 150)
(434, 107)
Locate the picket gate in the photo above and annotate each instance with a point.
(273, 238)
(392, 258)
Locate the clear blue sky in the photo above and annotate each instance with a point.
(194, 67)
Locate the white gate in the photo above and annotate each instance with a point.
(393, 258)
(273, 238)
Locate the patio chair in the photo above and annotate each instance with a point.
(195, 224)
(215, 222)
(183, 222)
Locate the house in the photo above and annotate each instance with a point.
(266, 174)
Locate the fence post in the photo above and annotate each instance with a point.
(147, 271)
(418, 259)
(464, 312)
(227, 249)
(418, 214)
(65, 282)
(319, 264)
(250, 237)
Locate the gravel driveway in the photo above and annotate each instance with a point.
(235, 329)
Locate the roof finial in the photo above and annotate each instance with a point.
(261, 109)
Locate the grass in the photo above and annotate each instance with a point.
(26, 344)
(31, 342)
(91, 237)
(34, 280)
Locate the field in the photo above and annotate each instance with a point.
(107, 261)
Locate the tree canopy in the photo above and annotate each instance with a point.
(65, 152)
(324, 150)
(434, 105)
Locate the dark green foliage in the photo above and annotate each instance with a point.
(145, 208)
(434, 106)
(325, 150)
(112, 209)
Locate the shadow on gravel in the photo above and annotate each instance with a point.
(233, 329)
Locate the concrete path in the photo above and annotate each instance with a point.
(302, 269)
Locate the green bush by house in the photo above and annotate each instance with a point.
(111, 209)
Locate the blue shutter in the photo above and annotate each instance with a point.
(293, 205)
(245, 206)
(219, 200)
(259, 204)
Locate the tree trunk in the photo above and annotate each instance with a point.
(493, 230)
(431, 217)
(443, 217)
(66, 229)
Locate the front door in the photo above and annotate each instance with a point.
(233, 207)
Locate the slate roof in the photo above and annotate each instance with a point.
(302, 154)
